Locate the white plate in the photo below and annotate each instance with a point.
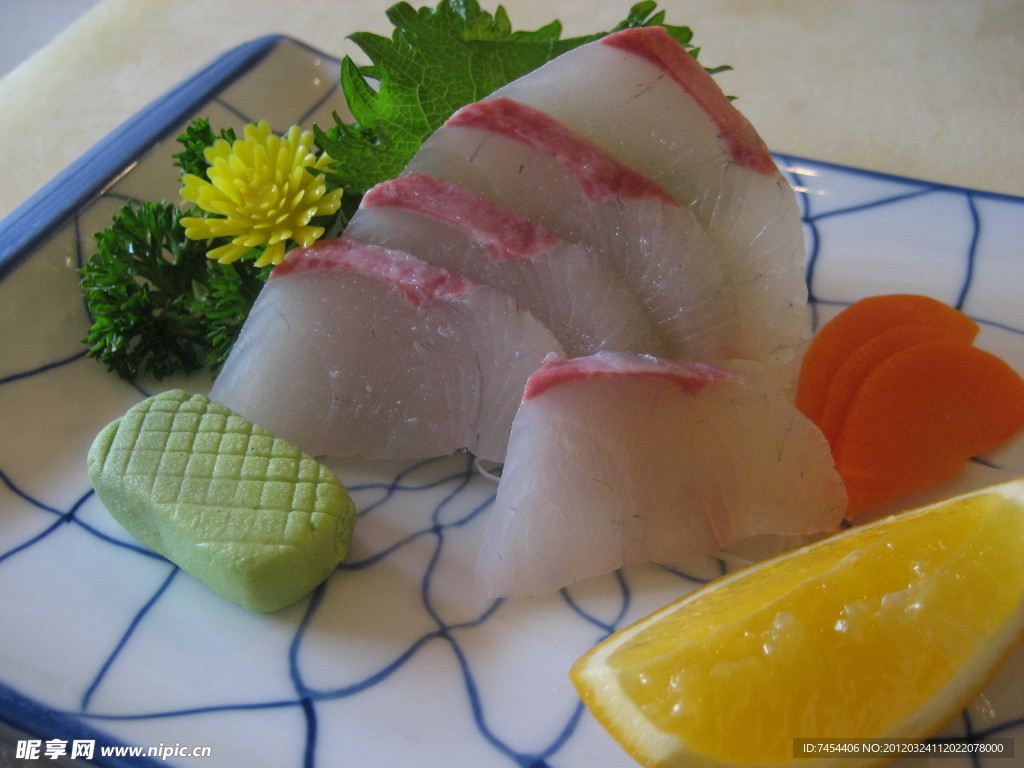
(393, 662)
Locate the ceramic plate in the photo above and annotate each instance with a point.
(393, 662)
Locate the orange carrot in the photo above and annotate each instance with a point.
(920, 415)
(859, 364)
(858, 323)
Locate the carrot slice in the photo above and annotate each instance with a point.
(920, 415)
(849, 377)
(860, 322)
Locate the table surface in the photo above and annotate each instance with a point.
(932, 89)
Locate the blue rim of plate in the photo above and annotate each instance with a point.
(32, 719)
(30, 223)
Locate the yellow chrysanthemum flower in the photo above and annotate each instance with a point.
(261, 194)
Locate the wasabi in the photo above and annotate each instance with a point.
(245, 513)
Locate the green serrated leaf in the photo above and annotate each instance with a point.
(436, 61)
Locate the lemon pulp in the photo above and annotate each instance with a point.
(852, 637)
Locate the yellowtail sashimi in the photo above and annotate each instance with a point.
(642, 97)
(619, 458)
(528, 163)
(356, 350)
(579, 298)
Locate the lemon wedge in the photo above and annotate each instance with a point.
(883, 631)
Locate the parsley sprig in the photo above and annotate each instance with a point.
(159, 306)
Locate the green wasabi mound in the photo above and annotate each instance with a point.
(245, 513)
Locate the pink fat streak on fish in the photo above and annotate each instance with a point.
(506, 235)
(655, 45)
(687, 378)
(355, 349)
(703, 151)
(656, 247)
(599, 174)
(572, 290)
(420, 283)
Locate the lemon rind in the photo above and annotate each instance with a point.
(597, 683)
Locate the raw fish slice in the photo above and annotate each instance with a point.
(355, 350)
(642, 97)
(653, 461)
(529, 164)
(583, 303)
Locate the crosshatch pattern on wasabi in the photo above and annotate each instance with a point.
(246, 513)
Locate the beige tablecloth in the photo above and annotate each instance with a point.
(932, 89)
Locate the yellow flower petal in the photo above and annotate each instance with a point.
(219, 149)
(306, 236)
(272, 254)
(228, 253)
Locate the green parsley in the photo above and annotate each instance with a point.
(158, 305)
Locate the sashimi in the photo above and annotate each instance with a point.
(528, 163)
(583, 303)
(656, 461)
(357, 350)
(641, 96)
